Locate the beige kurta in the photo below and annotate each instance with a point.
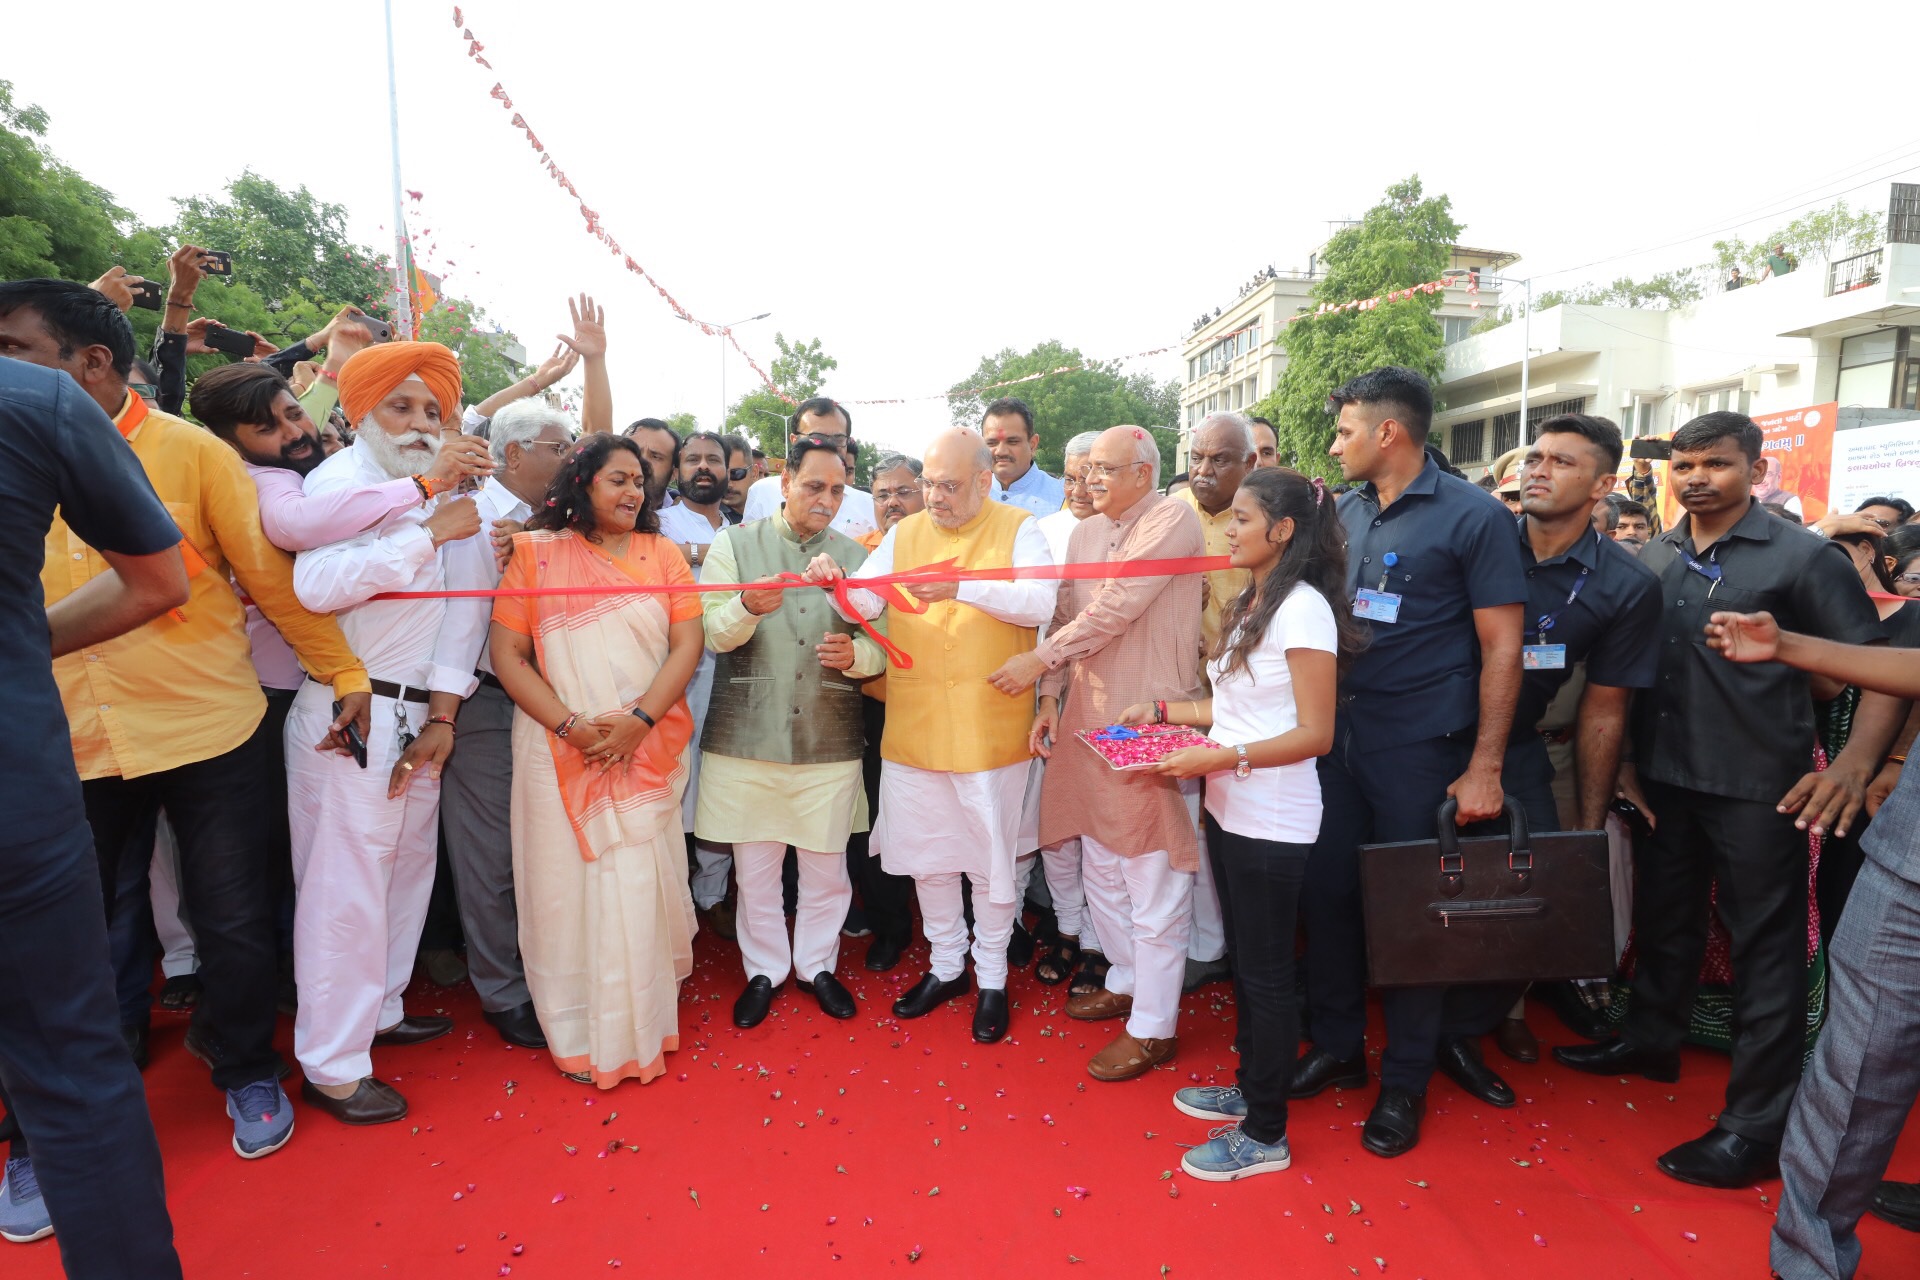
(1115, 642)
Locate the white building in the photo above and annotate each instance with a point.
(1845, 331)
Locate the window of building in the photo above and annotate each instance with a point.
(1253, 336)
(1866, 369)
(1910, 393)
(1456, 328)
(1506, 432)
(1541, 412)
(1466, 442)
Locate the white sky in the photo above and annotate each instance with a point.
(920, 188)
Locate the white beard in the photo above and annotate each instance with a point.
(391, 453)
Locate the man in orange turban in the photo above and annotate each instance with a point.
(364, 834)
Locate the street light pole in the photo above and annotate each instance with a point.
(721, 332)
(1526, 354)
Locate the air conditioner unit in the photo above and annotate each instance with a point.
(1750, 383)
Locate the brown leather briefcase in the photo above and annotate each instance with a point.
(1512, 908)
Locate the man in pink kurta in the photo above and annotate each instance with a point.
(1115, 642)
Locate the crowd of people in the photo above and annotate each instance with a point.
(253, 728)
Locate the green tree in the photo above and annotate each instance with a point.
(1404, 240)
(684, 424)
(1663, 292)
(484, 366)
(294, 245)
(798, 370)
(1091, 396)
(53, 222)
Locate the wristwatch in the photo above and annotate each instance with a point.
(1244, 766)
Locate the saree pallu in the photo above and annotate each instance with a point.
(599, 863)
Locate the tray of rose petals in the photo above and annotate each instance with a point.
(1126, 747)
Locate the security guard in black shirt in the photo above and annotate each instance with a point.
(1716, 746)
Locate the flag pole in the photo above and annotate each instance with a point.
(402, 306)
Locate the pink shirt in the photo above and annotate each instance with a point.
(295, 522)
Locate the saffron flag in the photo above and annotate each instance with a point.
(420, 294)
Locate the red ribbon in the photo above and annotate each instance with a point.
(886, 586)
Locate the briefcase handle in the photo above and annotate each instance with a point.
(1453, 865)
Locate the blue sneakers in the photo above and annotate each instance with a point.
(262, 1118)
(1230, 1155)
(23, 1213)
(1212, 1103)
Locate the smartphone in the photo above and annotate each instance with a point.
(380, 329)
(231, 341)
(1657, 449)
(355, 743)
(147, 295)
(1636, 821)
(219, 263)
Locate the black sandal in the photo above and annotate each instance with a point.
(1056, 967)
(178, 994)
(1091, 976)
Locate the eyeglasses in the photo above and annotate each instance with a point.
(1911, 579)
(736, 473)
(558, 446)
(1102, 470)
(838, 442)
(948, 487)
(904, 492)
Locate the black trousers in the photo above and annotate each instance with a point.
(1373, 797)
(1259, 885)
(221, 811)
(1527, 775)
(887, 898)
(1759, 859)
(64, 1074)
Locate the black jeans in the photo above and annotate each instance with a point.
(221, 811)
(887, 898)
(64, 1074)
(1759, 859)
(1373, 797)
(1259, 885)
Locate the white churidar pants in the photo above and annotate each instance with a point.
(1208, 941)
(945, 923)
(1142, 911)
(1061, 863)
(711, 861)
(362, 873)
(761, 920)
(179, 956)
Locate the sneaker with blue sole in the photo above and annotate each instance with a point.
(262, 1118)
(23, 1213)
(1211, 1103)
(1229, 1155)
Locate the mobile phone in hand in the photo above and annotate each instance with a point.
(356, 744)
(147, 295)
(379, 328)
(219, 263)
(231, 341)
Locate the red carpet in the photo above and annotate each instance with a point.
(808, 1147)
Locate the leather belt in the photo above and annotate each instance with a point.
(489, 679)
(388, 689)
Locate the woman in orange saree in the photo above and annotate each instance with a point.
(600, 738)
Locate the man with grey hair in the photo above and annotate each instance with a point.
(528, 440)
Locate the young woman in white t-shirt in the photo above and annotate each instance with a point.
(1274, 673)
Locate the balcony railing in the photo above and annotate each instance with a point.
(1857, 272)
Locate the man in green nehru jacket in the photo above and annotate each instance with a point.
(781, 753)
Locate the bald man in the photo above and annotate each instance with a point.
(364, 834)
(955, 757)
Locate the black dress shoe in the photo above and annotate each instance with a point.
(519, 1025)
(1394, 1127)
(1618, 1058)
(750, 1010)
(1019, 947)
(884, 953)
(414, 1031)
(990, 1015)
(835, 1000)
(929, 994)
(134, 1036)
(1460, 1059)
(1898, 1203)
(1721, 1159)
(374, 1102)
(1319, 1070)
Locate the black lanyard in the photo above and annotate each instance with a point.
(1709, 570)
(1546, 621)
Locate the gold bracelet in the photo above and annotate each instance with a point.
(1898, 759)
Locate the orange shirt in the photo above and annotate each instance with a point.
(182, 688)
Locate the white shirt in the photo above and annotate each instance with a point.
(681, 523)
(1022, 603)
(471, 566)
(1256, 703)
(855, 518)
(397, 640)
(1058, 527)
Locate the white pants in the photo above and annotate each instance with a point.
(945, 922)
(1142, 910)
(362, 874)
(179, 956)
(711, 861)
(1208, 942)
(1061, 865)
(761, 920)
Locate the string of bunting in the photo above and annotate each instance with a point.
(595, 227)
(886, 586)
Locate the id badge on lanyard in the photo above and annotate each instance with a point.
(1541, 656)
(1379, 604)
